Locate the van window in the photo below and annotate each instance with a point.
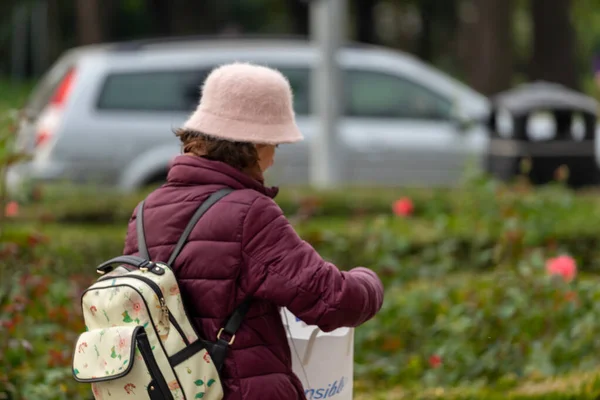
(299, 79)
(151, 91)
(373, 94)
(177, 90)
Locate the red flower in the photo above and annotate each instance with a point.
(81, 348)
(24, 279)
(571, 296)
(11, 209)
(435, 361)
(35, 239)
(563, 266)
(403, 207)
(137, 307)
(122, 344)
(56, 358)
(129, 388)
(9, 308)
(9, 250)
(9, 324)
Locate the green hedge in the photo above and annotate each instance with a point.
(579, 386)
(64, 203)
(464, 275)
(484, 328)
(40, 320)
(505, 325)
(478, 227)
(384, 246)
(479, 198)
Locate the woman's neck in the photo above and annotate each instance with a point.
(253, 172)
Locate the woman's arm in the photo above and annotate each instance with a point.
(284, 269)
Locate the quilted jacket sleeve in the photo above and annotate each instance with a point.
(287, 271)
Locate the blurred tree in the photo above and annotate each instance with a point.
(108, 14)
(438, 28)
(89, 22)
(188, 17)
(364, 20)
(206, 17)
(54, 30)
(585, 16)
(486, 45)
(129, 19)
(161, 16)
(260, 17)
(427, 10)
(554, 41)
(298, 10)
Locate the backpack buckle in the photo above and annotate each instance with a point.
(144, 266)
(230, 340)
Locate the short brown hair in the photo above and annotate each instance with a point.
(240, 155)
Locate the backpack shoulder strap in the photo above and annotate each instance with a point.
(236, 318)
(212, 199)
(141, 237)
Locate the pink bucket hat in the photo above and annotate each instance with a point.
(242, 102)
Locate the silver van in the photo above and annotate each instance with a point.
(104, 115)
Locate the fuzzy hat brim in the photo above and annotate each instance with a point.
(243, 131)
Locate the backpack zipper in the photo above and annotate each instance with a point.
(161, 299)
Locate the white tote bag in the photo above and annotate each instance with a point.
(324, 362)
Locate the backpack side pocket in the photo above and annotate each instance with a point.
(119, 362)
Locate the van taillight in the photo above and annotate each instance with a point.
(42, 137)
(50, 117)
(63, 89)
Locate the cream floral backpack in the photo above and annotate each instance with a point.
(139, 342)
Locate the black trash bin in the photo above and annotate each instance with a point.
(548, 126)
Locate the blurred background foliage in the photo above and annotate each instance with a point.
(489, 44)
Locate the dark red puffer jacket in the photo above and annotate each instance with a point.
(245, 246)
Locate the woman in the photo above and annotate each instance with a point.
(244, 246)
